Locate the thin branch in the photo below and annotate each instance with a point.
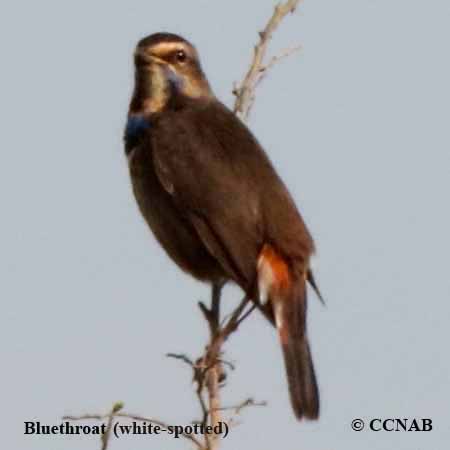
(245, 404)
(105, 437)
(212, 385)
(283, 54)
(229, 364)
(213, 367)
(245, 92)
(209, 370)
(182, 357)
(263, 71)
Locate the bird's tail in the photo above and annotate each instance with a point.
(285, 293)
(290, 319)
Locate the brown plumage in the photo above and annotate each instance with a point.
(214, 201)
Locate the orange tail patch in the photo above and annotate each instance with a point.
(274, 281)
(273, 272)
(283, 296)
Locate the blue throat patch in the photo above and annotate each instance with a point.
(136, 125)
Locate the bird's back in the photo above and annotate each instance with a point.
(219, 165)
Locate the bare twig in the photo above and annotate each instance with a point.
(109, 425)
(229, 364)
(274, 60)
(245, 404)
(182, 357)
(245, 92)
(211, 373)
(212, 385)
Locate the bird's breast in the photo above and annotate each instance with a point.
(167, 221)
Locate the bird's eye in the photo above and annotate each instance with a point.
(180, 56)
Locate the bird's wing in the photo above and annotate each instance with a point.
(212, 166)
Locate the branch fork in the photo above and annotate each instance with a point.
(245, 91)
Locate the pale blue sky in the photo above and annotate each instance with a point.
(357, 125)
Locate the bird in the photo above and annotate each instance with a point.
(214, 201)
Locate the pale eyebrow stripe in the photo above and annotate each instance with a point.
(167, 47)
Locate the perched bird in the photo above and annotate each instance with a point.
(214, 201)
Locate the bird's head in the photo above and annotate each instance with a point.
(167, 67)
